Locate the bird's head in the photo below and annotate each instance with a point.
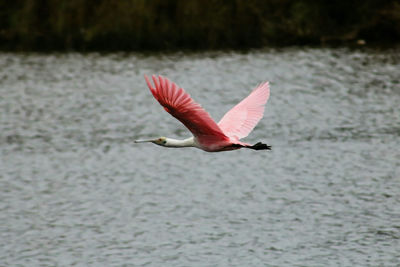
(161, 141)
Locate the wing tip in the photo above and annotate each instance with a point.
(153, 90)
(148, 81)
(264, 86)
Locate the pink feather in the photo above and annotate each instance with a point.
(225, 135)
(238, 122)
(180, 105)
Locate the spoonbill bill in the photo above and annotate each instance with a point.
(209, 136)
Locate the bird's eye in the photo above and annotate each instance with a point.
(164, 142)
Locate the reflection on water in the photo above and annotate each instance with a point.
(76, 190)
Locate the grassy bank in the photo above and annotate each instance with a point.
(193, 24)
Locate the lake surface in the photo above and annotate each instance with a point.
(76, 191)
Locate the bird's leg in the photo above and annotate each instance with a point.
(260, 146)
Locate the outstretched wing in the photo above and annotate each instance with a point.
(180, 105)
(238, 122)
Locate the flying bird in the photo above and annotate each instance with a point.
(209, 136)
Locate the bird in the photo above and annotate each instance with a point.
(208, 135)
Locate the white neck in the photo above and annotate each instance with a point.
(189, 142)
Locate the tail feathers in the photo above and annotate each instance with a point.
(260, 146)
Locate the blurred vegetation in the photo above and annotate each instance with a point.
(194, 24)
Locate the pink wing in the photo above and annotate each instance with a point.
(238, 122)
(180, 105)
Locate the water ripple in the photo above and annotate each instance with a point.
(76, 190)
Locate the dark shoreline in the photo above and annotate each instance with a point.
(194, 25)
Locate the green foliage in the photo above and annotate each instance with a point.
(194, 24)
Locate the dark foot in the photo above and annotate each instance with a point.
(260, 146)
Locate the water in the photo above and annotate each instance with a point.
(76, 191)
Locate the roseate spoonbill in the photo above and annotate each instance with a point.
(208, 135)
